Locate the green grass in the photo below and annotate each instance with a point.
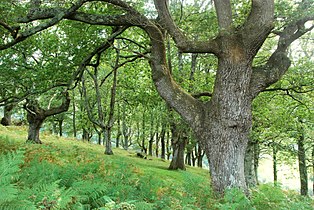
(65, 173)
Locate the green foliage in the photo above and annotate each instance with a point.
(235, 199)
(9, 174)
(270, 197)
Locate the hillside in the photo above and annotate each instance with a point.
(65, 173)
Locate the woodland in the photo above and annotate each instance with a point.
(189, 84)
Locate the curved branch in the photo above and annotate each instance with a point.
(62, 108)
(278, 63)
(188, 107)
(259, 24)
(182, 42)
(57, 17)
(107, 44)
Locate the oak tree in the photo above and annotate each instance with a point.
(222, 125)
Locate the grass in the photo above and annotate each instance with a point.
(65, 173)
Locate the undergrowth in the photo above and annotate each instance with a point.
(67, 174)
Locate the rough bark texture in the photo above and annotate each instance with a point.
(34, 122)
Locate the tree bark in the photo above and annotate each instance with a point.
(162, 141)
(60, 125)
(74, 115)
(275, 164)
(107, 141)
(34, 123)
(302, 164)
(199, 155)
(151, 137)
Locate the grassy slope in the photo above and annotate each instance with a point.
(123, 170)
(69, 174)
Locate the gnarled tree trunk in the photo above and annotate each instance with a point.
(37, 115)
(34, 122)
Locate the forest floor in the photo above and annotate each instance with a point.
(65, 173)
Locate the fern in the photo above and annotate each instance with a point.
(17, 204)
(9, 174)
(9, 168)
(49, 195)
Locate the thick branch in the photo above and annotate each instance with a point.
(258, 25)
(182, 42)
(278, 63)
(62, 108)
(188, 107)
(224, 14)
(57, 17)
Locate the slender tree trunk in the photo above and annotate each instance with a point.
(188, 156)
(60, 122)
(107, 141)
(168, 146)
(143, 147)
(275, 164)
(200, 155)
(99, 137)
(74, 115)
(157, 140)
(302, 165)
(162, 141)
(85, 135)
(151, 138)
(7, 112)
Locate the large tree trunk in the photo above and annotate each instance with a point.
(35, 123)
(302, 165)
(229, 121)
